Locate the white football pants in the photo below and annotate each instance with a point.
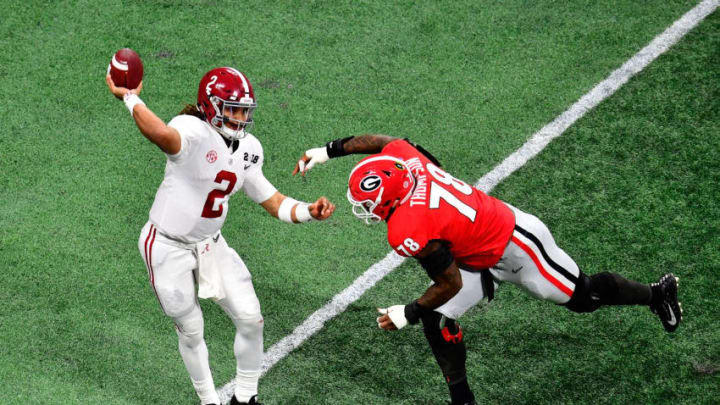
(172, 267)
(532, 261)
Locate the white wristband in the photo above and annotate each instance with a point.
(131, 100)
(302, 212)
(285, 210)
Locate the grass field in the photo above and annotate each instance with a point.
(632, 187)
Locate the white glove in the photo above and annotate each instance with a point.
(316, 155)
(396, 314)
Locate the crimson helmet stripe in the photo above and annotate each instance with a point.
(245, 83)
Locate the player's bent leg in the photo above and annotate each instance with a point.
(446, 341)
(170, 272)
(554, 276)
(534, 262)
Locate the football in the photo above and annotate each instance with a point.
(126, 68)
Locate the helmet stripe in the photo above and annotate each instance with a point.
(246, 87)
(244, 80)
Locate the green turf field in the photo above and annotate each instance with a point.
(632, 187)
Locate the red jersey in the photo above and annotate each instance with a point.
(476, 226)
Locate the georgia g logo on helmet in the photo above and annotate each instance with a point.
(370, 183)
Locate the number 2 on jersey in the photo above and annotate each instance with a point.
(209, 210)
(438, 192)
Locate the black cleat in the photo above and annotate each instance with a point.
(253, 401)
(665, 301)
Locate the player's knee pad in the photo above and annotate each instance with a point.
(593, 292)
(446, 341)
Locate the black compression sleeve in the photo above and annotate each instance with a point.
(335, 148)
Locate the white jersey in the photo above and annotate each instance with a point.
(191, 204)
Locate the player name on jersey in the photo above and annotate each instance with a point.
(419, 196)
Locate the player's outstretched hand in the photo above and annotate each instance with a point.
(119, 92)
(321, 209)
(392, 318)
(310, 159)
(384, 321)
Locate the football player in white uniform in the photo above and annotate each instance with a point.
(210, 156)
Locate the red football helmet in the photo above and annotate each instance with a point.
(226, 98)
(378, 184)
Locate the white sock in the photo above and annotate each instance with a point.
(206, 391)
(246, 385)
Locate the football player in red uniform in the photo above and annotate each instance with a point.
(468, 242)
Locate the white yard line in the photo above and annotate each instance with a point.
(516, 160)
(600, 92)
